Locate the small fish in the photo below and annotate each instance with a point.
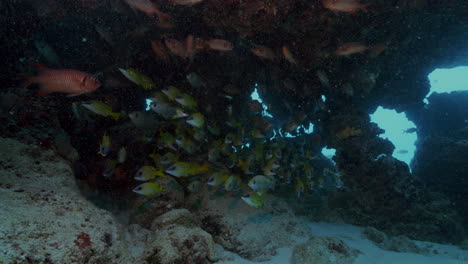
(220, 44)
(146, 173)
(185, 169)
(253, 200)
(323, 78)
(411, 130)
(185, 2)
(190, 46)
(288, 55)
(122, 155)
(101, 108)
(214, 128)
(138, 78)
(217, 179)
(195, 80)
(187, 101)
(232, 183)
(270, 166)
(263, 52)
(176, 47)
(194, 186)
(156, 157)
(105, 146)
(350, 48)
(255, 133)
(261, 184)
(167, 111)
(197, 120)
(299, 187)
(160, 50)
(68, 81)
(149, 188)
(171, 92)
(378, 49)
(349, 6)
(169, 158)
(166, 140)
(402, 151)
(109, 168)
(151, 9)
(143, 119)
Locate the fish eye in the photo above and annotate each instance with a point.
(138, 188)
(246, 195)
(211, 179)
(171, 168)
(254, 182)
(190, 118)
(140, 173)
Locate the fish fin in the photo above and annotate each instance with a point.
(116, 116)
(43, 91)
(164, 20)
(41, 67)
(73, 94)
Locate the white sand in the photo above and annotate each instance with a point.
(371, 254)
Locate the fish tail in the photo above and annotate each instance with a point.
(116, 116)
(26, 81)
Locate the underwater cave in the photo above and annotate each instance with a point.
(234, 132)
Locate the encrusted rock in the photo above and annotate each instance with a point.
(324, 250)
(174, 217)
(175, 240)
(44, 217)
(375, 235)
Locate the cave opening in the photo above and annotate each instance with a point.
(448, 80)
(397, 127)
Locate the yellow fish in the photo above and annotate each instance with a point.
(101, 109)
(232, 183)
(146, 173)
(105, 146)
(171, 92)
(185, 169)
(138, 78)
(217, 179)
(253, 200)
(197, 120)
(148, 188)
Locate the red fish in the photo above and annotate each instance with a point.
(263, 52)
(160, 50)
(288, 55)
(220, 44)
(151, 9)
(68, 81)
(350, 48)
(176, 47)
(349, 6)
(185, 2)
